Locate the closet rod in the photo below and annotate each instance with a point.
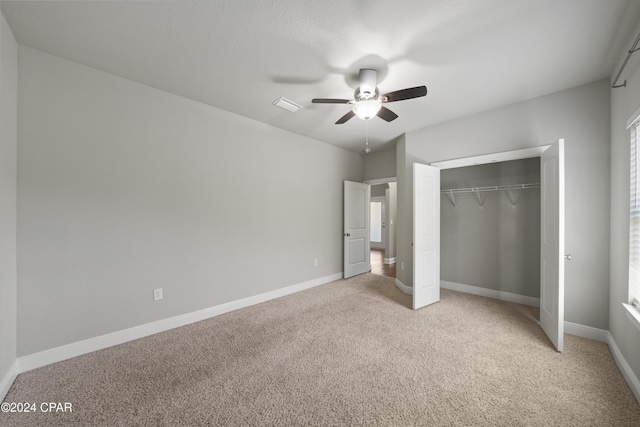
(634, 48)
(492, 188)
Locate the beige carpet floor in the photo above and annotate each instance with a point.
(342, 354)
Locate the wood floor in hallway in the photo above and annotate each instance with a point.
(379, 267)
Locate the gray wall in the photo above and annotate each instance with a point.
(624, 102)
(8, 280)
(392, 219)
(495, 245)
(380, 164)
(404, 214)
(378, 190)
(124, 188)
(582, 117)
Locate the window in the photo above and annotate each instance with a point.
(634, 215)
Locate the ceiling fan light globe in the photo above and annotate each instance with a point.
(367, 109)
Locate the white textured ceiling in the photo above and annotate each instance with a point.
(473, 55)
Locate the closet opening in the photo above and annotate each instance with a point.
(490, 230)
(427, 230)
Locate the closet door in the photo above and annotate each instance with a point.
(426, 235)
(552, 243)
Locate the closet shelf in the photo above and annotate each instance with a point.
(477, 190)
(493, 188)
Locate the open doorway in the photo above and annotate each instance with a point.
(358, 254)
(383, 225)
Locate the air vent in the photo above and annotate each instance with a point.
(285, 104)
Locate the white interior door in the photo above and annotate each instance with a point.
(426, 235)
(357, 246)
(552, 243)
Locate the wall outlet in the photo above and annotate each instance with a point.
(315, 262)
(157, 294)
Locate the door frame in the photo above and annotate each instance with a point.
(389, 242)
(379, 181)
(503, 156)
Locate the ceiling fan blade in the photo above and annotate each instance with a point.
(330, 101)
(400, 95)
(386, 114)
(345, 117)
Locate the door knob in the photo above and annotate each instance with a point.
(568, 257)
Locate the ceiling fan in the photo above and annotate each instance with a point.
(367, 100)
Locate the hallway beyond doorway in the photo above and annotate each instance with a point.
(379, 267)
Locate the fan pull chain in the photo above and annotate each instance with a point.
(367, 150)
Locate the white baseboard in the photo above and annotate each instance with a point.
(586, 332)
(390, 260)
(8, 380)
(58, 354)
(569, 327)
(624, 367)
(404, 288)
(491, 293)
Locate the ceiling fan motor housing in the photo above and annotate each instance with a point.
(368, 82)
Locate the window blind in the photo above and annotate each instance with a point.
(634, 219)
